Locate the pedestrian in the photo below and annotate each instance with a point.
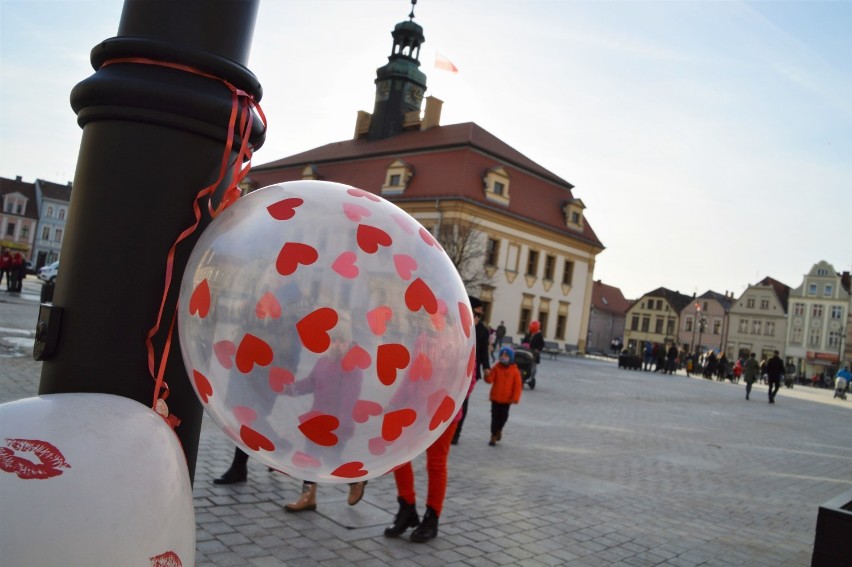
(723, 367)
(710, 368)
(751, 370)
(5, 264)
(690, 362)
(774, 370)
(16, 273)
(738, 371)
(841, 382)
(500, 334)
(648, 359)
(535, 340)
(483, 360)
(671, 359)
(506, 386)
(492, 343)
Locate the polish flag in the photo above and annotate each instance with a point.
(441, 62)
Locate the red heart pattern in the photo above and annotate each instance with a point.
(471, 362)
(370, 238)
(254, 440)
(419, 295)
(356, 357)
(199, 301)
(364, 409)
(354, 469)
(320, 429)
(406, 223)
(427, 237)
(445, 412)
(377, 446)
(345, 266)
(244, 415)
(268, 307)
(279, 378)
(253, 350)
(305, 461)
(355, 192)
(284, 209)
(421, 368)
(294, 254)
(378, 319)
(225, 351)
(390, 358)
(355, 212)
(313, 329)
(465, 318)
(404, 265)
(202, 385)
(394, 422)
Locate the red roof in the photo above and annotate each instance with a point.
(609, 299)
(449, 162)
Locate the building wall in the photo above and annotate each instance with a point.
(758, 324)
(52, 220)
(661, 327)
(603, 327)
(715, 325)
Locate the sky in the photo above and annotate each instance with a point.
(711, 142)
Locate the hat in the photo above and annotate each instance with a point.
(535, 326)
(509, 352)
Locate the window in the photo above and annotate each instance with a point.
(658, 325)
(755, 327)
(688, 323)
(764, 304)
(532, 263)
(798, 309)
(750, 303)
(524, 321)
(549, 266)
(834, 339)
(57, 236)
(717, 326)
(19, 209)
(397, 177)
(499, 188)
(10, 229)
(796, 335)
(670, 327)
(61, 214)
(743, 326)
(813, 337)
(560, 327)
(816, 311)
(25, 231)
(634, 323)
(568, 273)
(704, 307)
(45, 233)
(827, 290)
(769, 329)
(542, 318)
(49, 212)
(822, 272)
(492, 249)
(646, 324)
(573, 211)
(836, 312)
(496, 185)
(812, 289)
(575, 217)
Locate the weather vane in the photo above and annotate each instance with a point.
(411, 15)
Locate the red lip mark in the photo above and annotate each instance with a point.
(370, 238)
(268, 306)
(167, 559)
(51, 459)
(361, 193)
(378, 319)
(224, 351)
(319, 429)
(354, 469)
(199, 301)
(390, 358)
(313, 329)
(284, 209)
(251, 351)
(292, 255)
(395, 422)
(357, 357)
(202, 384)
(420, 295)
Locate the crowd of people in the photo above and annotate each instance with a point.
(13, 268)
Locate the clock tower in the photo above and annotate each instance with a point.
(400, 84)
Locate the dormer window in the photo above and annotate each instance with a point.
(397, 178)
(310, 172)
(496, 185)
(573, 211)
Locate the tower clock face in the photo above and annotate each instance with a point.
(413, 95)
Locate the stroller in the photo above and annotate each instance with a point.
(840, 388)
(525, 359)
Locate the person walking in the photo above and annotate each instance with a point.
(535, 340)
(5, 264)
(775, 370)
(751, 370)
(483, 360)
(500, 335)
(506, 386)
(671, 359)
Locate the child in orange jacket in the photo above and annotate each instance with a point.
(505, 379)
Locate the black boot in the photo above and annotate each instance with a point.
(406, 518)
(238, 471)
(428, 528)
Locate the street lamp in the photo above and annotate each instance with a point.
(694, 325)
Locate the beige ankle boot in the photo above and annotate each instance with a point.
(306, 502)
(356, 492)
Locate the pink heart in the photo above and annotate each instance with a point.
(245, 415)
(377, 446)
(405, 223)
(404, 265)
(305, 461)
(345, 265)
(364, 409)
(378, 319)
(355, 212)
(279, 378)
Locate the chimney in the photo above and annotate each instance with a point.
(18, 178)
(432, 114)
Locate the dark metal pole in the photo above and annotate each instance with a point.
(153, 137)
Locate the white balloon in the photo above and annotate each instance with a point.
(92, 479)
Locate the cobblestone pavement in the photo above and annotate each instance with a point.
(598, 466)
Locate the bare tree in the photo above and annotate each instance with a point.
(464, 243)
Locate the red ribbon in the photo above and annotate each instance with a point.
(242, 106)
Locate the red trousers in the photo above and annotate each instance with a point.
(436, 470)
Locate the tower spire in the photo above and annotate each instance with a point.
(411, 15)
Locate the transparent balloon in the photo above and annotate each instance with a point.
(325, 331)
(92, 479)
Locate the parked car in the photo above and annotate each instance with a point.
(48, 273)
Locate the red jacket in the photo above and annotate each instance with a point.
(506, 383)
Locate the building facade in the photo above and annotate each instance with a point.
(18, 216)
(654, 318)
(818, 313)
(606, 321)
(53, 202)
(758, 321)
(514, 230)
(704, 322)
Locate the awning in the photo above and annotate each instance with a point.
(12, 245)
